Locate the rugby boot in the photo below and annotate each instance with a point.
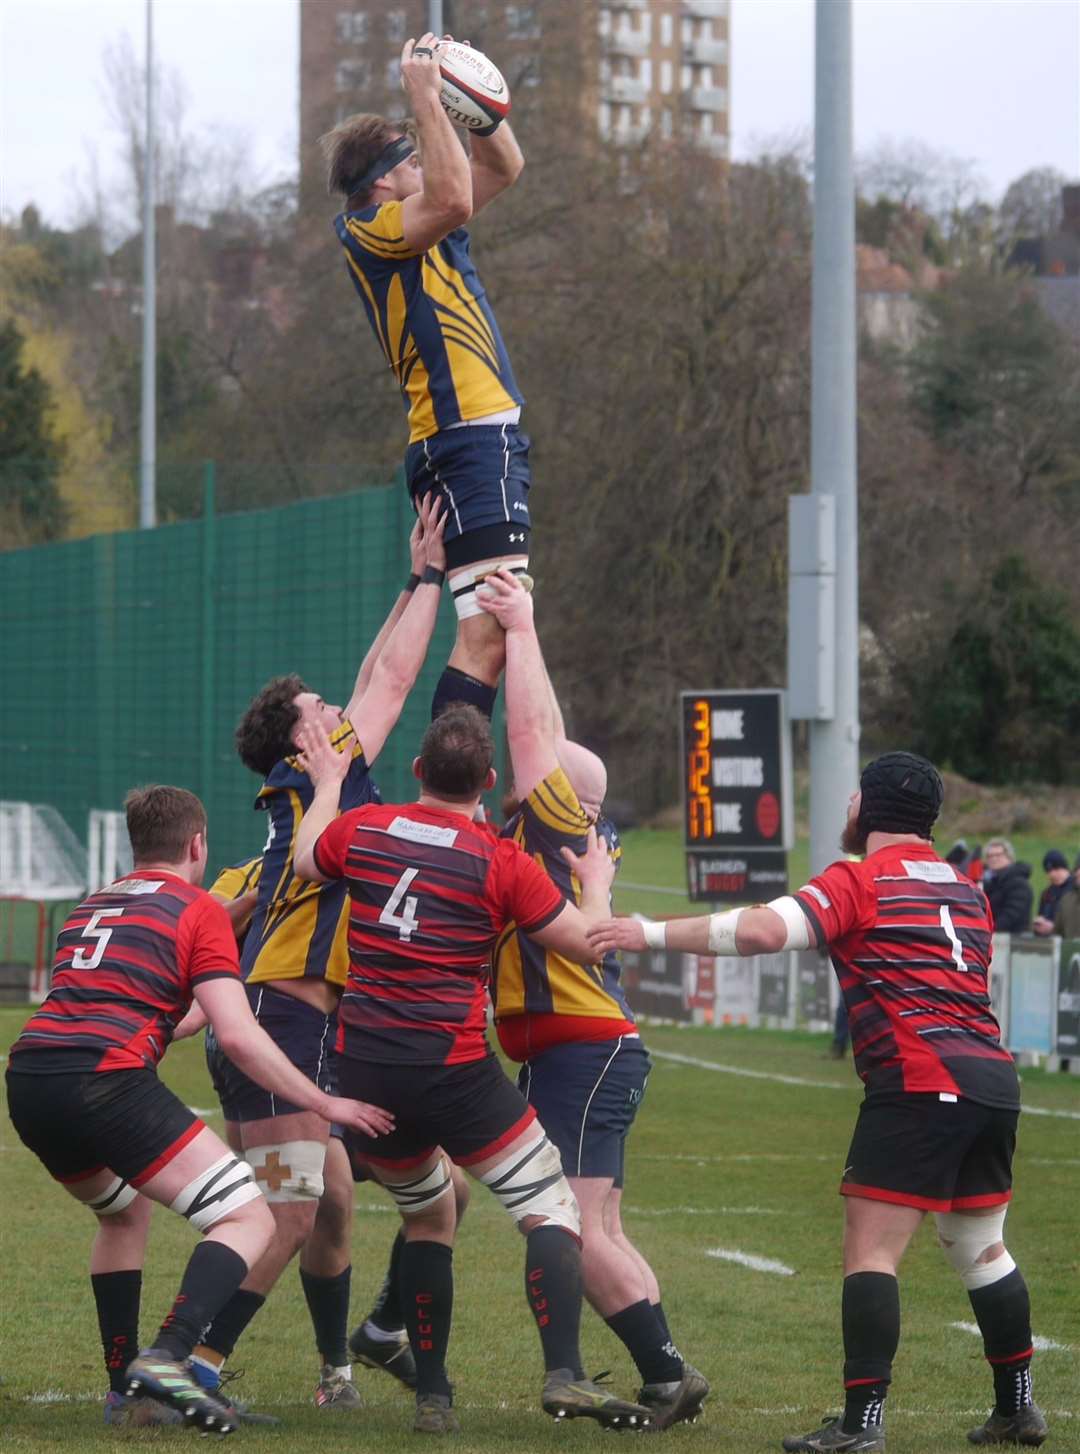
(678, 1402)
(870, 1440)
(138, 1413)
(336, 1392)
(1027, 1426)
(396, 1358)
(155, 1375)
(567, 1397)
(434, 1415)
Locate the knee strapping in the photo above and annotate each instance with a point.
(116, 1197)
(291, 1171)
(417, 1196)
(463, 586)
(964, 1239)
(530, 1183)
(216, 1192)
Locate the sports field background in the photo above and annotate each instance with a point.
(718, 1160)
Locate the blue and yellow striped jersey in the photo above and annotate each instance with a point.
(238, 879)
(432, 319)
(299, 928)
(540, 997)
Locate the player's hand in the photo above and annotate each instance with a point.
(417, 553)
(595, 867)
(318, 757)
(432, 522)
(358, 1116)
(420, 74)
(615, 934)
(503, 595)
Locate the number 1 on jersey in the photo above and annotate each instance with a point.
(957, 947)
(407, 921)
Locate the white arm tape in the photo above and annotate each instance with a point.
(655, 933)
(722, 931)
(798, 931)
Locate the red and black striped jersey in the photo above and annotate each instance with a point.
(126, 963)
(429, 892)
(910, 939)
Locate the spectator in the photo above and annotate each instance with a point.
(967, 860)
(1007, 885)
(1056, 868)
(1067, 918)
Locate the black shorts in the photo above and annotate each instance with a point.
(305, 1034)
(587, 1096)
(481, 472)
(78, 1124)
(920, 1151)
(470, 1110)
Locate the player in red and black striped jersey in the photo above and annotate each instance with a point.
(585, 1068)
(910, 938)
(83, 1095)
(430, 889)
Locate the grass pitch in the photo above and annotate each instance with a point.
(718, 1162)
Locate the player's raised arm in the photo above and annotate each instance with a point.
(496, 163)
(418, 562)
(763, 929)
(530, 720)
(445, 202)
(327, 770)
(568, 932)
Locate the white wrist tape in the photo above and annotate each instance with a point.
(655, 933)
(722, 931)
(798, 932)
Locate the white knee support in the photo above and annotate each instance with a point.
(965, 1238)
(291, 1171)
(416, 1196)
(530, 1183)
(216, 1192)
(116, 1196)
(463, 586)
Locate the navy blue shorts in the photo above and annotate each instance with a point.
(586, 1096)
(482, 473)
(306, 1036)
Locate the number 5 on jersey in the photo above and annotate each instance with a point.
(80, 959)
(407, 921)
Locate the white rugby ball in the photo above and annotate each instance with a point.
(474, 92)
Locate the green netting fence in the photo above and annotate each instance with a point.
(129, 658)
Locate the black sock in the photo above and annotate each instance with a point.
(459, 686)
(117, 1297)
(661, 1317)
(224, 1332)
(328, 1304)
(1003, 1313)
(386, 1314)
(871, 1316)
(426, 1275)
(213, 1274)
(649, 1345)
(553, 1287)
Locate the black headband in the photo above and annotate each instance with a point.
(392, 155)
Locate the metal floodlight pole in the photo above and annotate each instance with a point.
(834, 744)
(148, 439)
(435, 16)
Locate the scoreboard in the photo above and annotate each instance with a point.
(737, 794)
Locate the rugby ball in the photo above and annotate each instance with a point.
(474, 94)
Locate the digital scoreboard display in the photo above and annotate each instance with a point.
(736, 770)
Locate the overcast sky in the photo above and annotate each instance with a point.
(993, 81)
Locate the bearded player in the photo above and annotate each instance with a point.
(407, 251)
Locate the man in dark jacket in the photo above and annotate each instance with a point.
(1067, 917)
(1058, 882)
(1007, 884)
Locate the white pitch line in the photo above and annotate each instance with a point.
(815, 1084)
(702, 1211)
(205, 1110)
(722, 1160)
(1044, 1345)
(747, 1259)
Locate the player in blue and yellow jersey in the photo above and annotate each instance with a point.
(585, 1068)
(294, 963)
(407, 253)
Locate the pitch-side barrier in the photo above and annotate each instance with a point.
(1034, 991)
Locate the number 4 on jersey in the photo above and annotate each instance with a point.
(407, 921)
